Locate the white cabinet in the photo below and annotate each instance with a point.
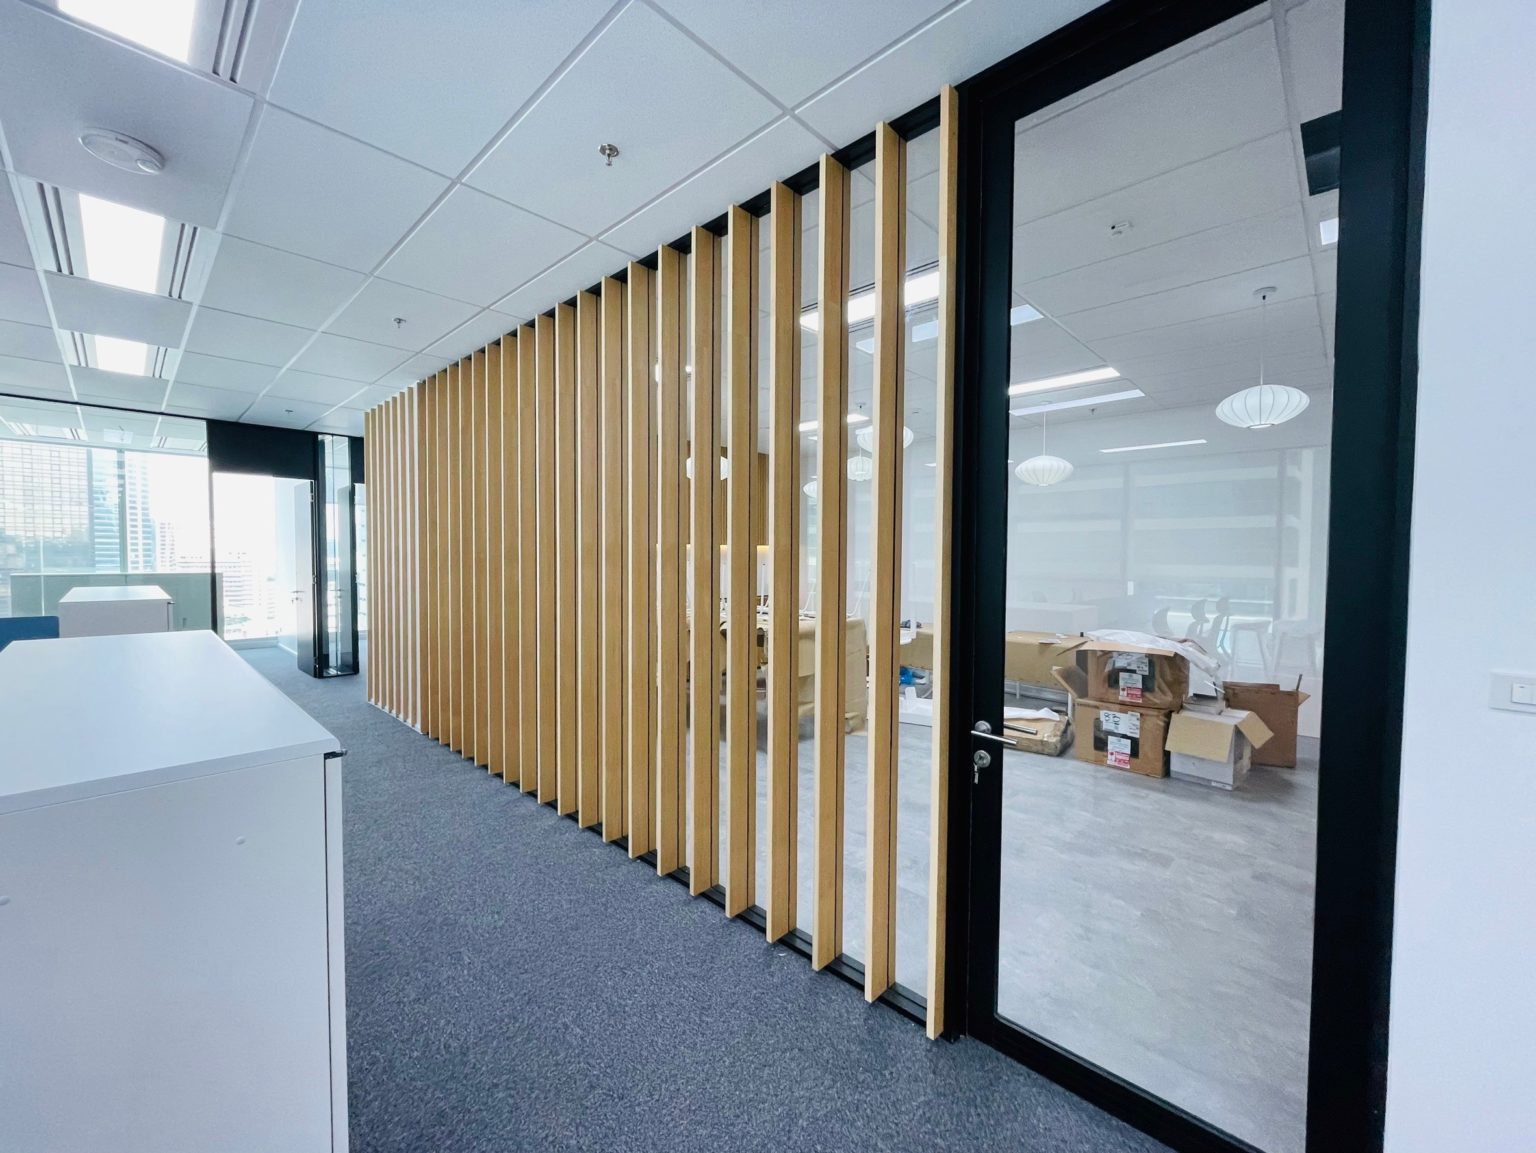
(170, 904)
(110, 610)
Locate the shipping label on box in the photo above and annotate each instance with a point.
(1128, 738)
(1134, 676)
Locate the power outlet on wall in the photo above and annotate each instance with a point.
(1513, 691)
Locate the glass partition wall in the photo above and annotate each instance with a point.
(92, 496)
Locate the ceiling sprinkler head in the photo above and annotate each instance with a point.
(608, 152)
(399, 322)
(122, 151)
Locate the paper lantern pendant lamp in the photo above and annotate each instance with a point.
(1043, 470)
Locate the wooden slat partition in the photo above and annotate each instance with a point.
(466, 558)
(588, 533)
(480, 666)
(640, 592)
(549, 640)
(405, 526)
(385, 569)
(741, 580)
(528, 604)
(885, 614)
(704, 569)
(944, 491)
(370, 480)
(783, 558)
(614, 557)
(511, 568)
(460, 571)
(426, 494)
(831, 557)
(495, 717)
(392, 561)
(671, 623)
(569, 735)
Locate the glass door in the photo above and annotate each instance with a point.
(1154, 466)
(263, 531)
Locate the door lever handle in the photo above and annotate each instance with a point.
(983, 729)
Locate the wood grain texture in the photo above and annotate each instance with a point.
(443, 532)
(589, 543)
(566, 530)
(671, 803)
(380, 658)
(640, 581)
(613, 434)
(943, 503)
(391, 564)
(425, 554)
(464, 602)
(511, 526)
(831, 556)
(549, 639)
(530, 733)
(494, 565)
(370, 481)
(885, 601)
(783, 556)
(740, 315)
(704, 565)
(479, 638)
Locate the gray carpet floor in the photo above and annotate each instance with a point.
(515, 984)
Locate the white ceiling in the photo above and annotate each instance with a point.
(434, 162)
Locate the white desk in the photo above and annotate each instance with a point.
(1044, 617)
(111, 610)
(170, 903)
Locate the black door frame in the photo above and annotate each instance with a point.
(1381, 175)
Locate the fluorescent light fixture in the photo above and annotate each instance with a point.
(1160, 444)
(1328, 230)
(1080, 402)
(122, 244)
(1022, 314)
(920, 288)
(1066, 380)
(117, 355)
(163, 26)
(853, 418)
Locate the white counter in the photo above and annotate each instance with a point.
(111, 610)
(170, 903)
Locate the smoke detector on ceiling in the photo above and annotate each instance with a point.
(122, 151)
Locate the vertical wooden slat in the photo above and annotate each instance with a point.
(445, 582)
(479, 665)
(530, 511)
(549, 640)
(385, 571)
(495, 721)
(670, 623)
(391, 567)
(741, 580)
(614, 558)
(588, 555)
(511, 564)
(569, 736)
(370, 457)
(831, 557)
(425, 496)
(465, 559)
(412, 505)
(640, 602)
(783, 558)
(398, 642)
(884, 636)
(944, 423)
(704, 571)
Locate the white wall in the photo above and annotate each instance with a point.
(1463, 1028)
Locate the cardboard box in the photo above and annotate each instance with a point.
(1131, 675)
(1121, 737)
(1048, 738)
(1029, 657)
(1214, 748)
(1277, 708)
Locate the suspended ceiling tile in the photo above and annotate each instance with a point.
(1315, 31)
(21, 299)
(82, 305)
(371, 316)
(669, 81)
(580, 270)
(30, 341)
(212, 403)
(269, 283)
(342, 422)
(430, 82)
(793, 50)
(963, 41)
(310, 386)
(34, 377)
(13, 240)
(372, 396)
(122, 388)
(474, 333)
(775, 153)
(237, 337)
(283, 413)
(58, 77)
(1289, 321)
(222, 373)
(407, 374)
(341, 356)
(309, 190)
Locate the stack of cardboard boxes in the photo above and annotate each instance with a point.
(1132, 710)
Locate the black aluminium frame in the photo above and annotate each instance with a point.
(1385, 90)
